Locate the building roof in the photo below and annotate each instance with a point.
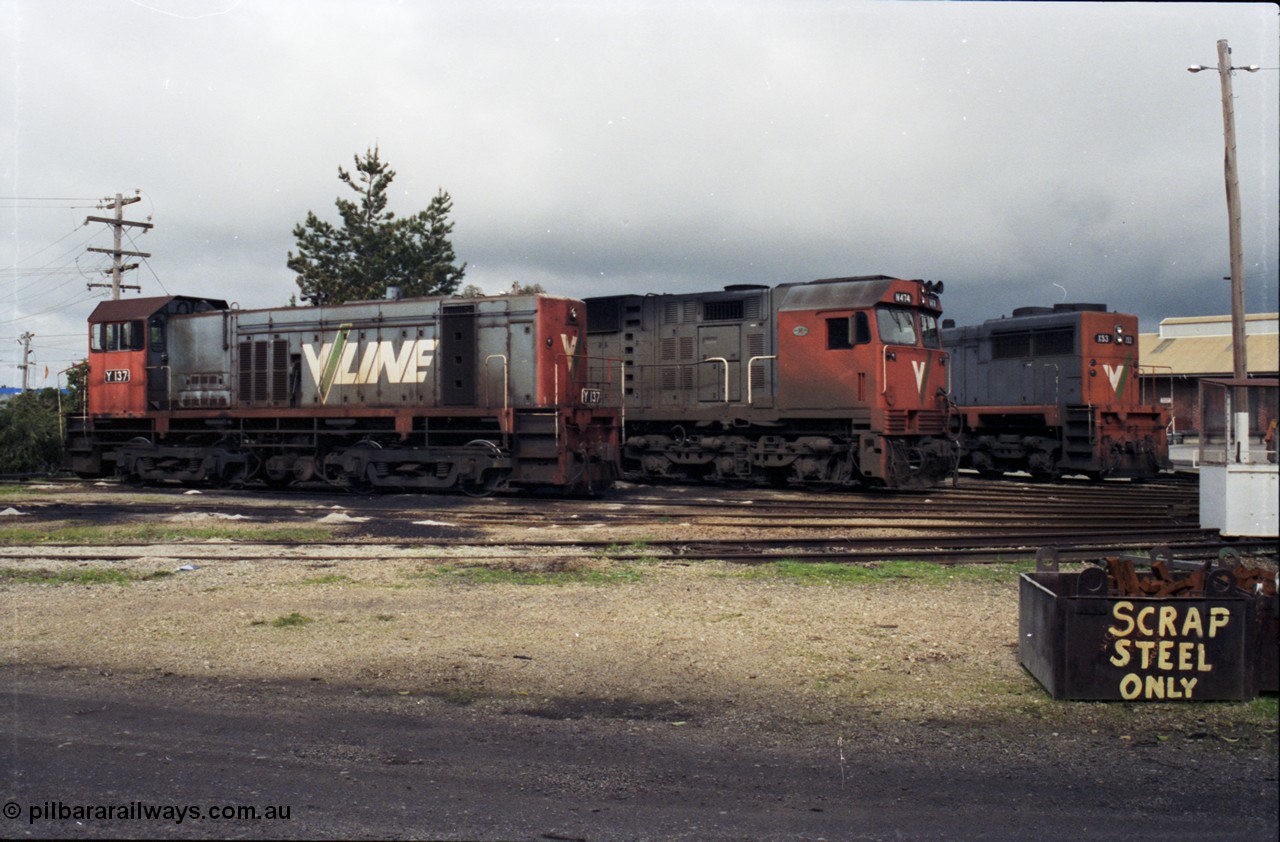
(1207, 355)
(1218, 325)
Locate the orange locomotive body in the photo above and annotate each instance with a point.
(432, 393)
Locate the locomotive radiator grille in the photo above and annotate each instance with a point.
(263, 371)
(924, 421)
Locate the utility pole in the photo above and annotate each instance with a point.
(25, 341)
(119, 223)
(1239, 353)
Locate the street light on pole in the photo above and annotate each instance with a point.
(1239, 354)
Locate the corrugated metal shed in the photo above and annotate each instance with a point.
(1208, 355)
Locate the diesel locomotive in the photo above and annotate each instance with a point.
(1054, 391)
(477, 395)
(830, 383)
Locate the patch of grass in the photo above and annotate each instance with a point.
(327, 579)
(156, 533)
(554, 573)
(83, 576)
(1266, 708)
(291, 621)
(918, 572)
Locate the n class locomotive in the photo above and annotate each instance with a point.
(830, 383)
(429, 393)
(1054, 391)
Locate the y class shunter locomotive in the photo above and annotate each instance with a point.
(430, 393)
(829, 383)
(1054, 391)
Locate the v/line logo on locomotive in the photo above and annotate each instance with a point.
(390, 361)
(1117, 374)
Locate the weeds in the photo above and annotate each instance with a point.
(327, 579)
(919, 572)
(82, 576)
(558, 572)
(291, 621)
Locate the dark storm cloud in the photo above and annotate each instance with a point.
(1014, 150)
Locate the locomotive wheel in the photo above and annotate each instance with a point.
(489, 480)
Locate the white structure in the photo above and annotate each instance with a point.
(1239, 484)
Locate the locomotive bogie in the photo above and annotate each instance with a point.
(437, 393)
(829, 383)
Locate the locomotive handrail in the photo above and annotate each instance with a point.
(726, 373)
(506, 379)
(750, 363)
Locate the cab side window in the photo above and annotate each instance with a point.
(848, 331)
(838, 337)
(118, 336)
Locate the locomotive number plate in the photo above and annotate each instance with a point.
(591, 397)
(1102, 338)
(117, 375)
(902, 297)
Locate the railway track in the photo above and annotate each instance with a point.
(975, 522)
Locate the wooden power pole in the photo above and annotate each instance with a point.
(1239, 352)
(119, 222)
(25, 341)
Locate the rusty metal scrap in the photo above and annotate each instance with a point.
(1163, 580)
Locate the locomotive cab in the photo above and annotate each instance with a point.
(129, 355)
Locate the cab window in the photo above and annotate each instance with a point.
(156, 339)
(897, 325)
(848, 331)
(118, 336)
(929, 331)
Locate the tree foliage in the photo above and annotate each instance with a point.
(77, 388)
(30, 435)
(517, 288)
(373, 249)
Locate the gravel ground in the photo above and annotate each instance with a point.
(920, 676)
(709, 642)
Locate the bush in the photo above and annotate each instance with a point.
(30, 435)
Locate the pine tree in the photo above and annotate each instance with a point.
(374, 249)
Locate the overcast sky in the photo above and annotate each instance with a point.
(1024, 153)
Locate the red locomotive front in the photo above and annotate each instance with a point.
(871, 352)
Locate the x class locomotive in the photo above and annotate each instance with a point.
(430, 393)
(829, 383)
(1054, 391)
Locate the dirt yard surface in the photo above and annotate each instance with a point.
(566, 695)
